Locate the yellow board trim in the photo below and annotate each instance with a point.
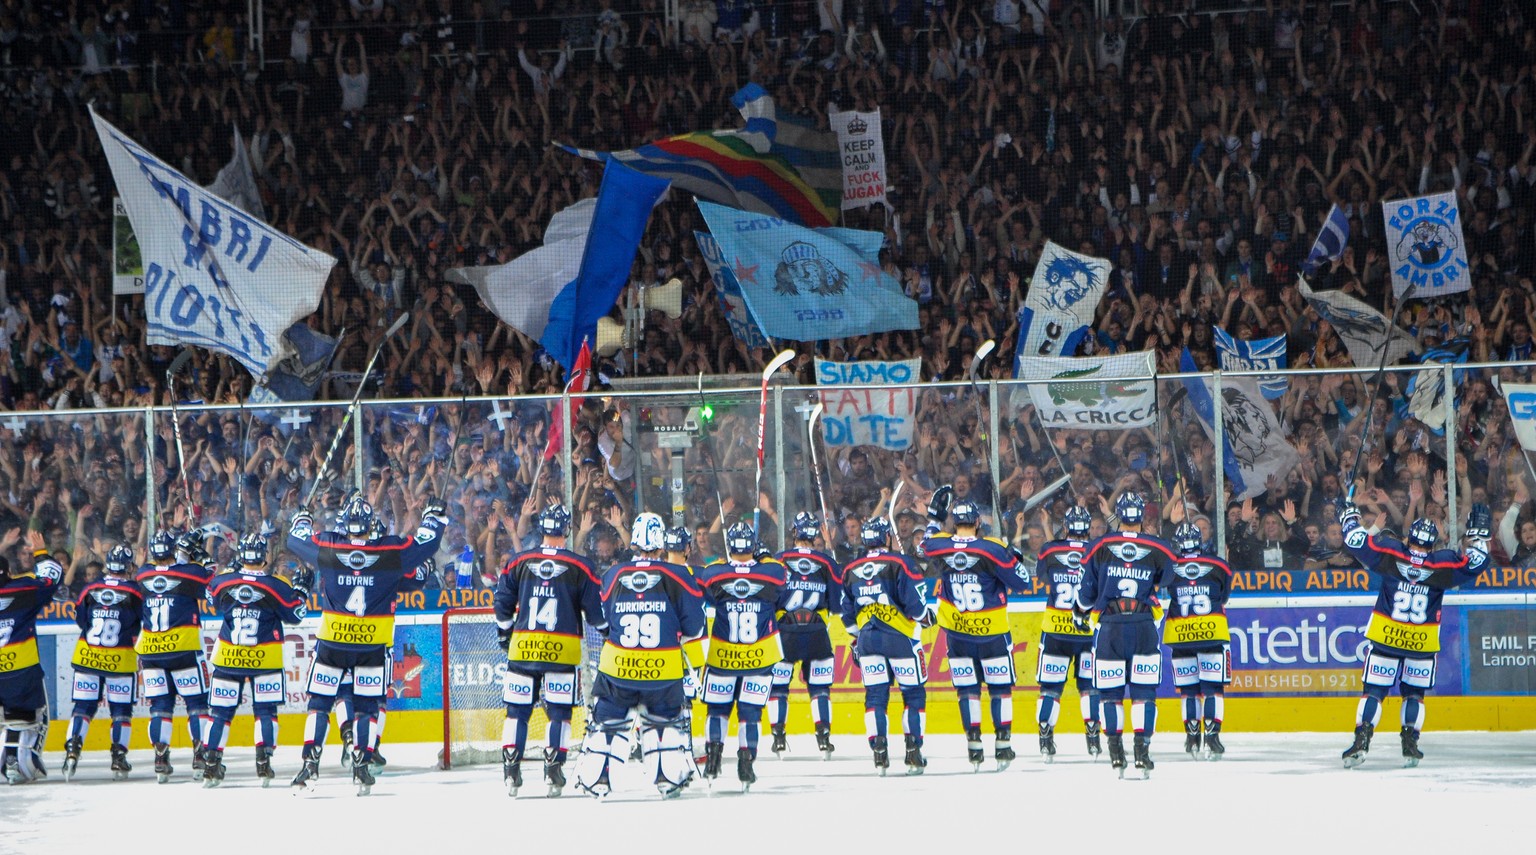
(351, 629)
(15, 657)
(1420, 638)
(725, 656)
(545, 647)
(110, 660)
(644, 665)
(1196, 628)
(987, 622)
(260, 657)
(182, 639)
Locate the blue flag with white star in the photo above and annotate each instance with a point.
(809, 284)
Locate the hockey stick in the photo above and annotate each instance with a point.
(1044, 492)
(175, 367)
(821, 495)
(890, 513)
(981, 353)
(1370, 403)
(352, 407)
(762, 432)
(709, 448)
(1174, 401)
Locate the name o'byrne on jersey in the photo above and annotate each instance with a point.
(359, 579)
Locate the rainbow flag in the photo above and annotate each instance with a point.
(782, 168)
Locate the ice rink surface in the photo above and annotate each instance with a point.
(1272, 791)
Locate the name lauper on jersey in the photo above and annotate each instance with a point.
(881, 587)
(542, 595)
(1060, 567)
(1122, 572)
(745, 594)
(254, 607)
(358, 581)
(814, 588)
(1197, 608)
(108, 614)
(172, 594)
(1407, 613)
(976, 576)
(654, 611)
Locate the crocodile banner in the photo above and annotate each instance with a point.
(1092, 392)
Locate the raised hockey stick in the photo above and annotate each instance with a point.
(346, 417)
(1370, 403)
(890, 513)
(981, 354)
(1179, 457)
(762, 433)
(175, 368)
(1045, 492)
(821, 494)
(709, 448)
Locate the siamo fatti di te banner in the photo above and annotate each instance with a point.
(869, 416)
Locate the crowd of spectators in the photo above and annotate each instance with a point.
(1196, 145)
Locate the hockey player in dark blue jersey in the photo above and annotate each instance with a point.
(1066, 646)
(170, 645)
(253, 605)
(882, 604)
(976, 575)
(1121, 574)
(23, 698)
(814, 590)
(744, 645)
(679, 544)
(104, 663)
(541, 599)
(1404, 632)
(655, 623)
(359, 577)
(1199, 641)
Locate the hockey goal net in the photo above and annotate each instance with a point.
(473, 710)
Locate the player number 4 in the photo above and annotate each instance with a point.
(357, 602)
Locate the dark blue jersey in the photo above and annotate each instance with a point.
(108, 614)
(1060, 567)
(883, 589)
(976, 575)
(1407, 613)
(360, 578)
(655, 619)
(1122, 572)
(745, 595)
(253, 607)
(1197, 603)
(21, 598)
(813, 590)
(541, 596)
(171, 622)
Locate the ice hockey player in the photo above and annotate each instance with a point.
(23, 698)
(679, 543)
(1404, 632)
(976, 575)
(1066, 646)
(1121, 573)
(655, 625)
(359, 577)
(744, 646)
(253, 605)
(1199, 642)
(814, 590)
(343, 709)
(104, 663)
(882, 604)
(541, 599)
(170, 645)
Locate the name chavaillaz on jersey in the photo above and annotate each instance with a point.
(883, 588)
(359, 581)
(745, 632)
(1407, 611)
(542, 595)
(976, 575)
(172, 594)
(108, 613)
(655, 619)
(1123, 570)
(813, 588)
(1060, 567)
(1197, 602)
(254, 607)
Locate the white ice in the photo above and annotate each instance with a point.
(1272, 791)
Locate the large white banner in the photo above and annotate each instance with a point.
(1063, 295)
(861, 145)
(1364, 331)
(878, 417)
(1104, 392)
(214, 276)
(1425, 246)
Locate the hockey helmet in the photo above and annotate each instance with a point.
(965, 512)
(162, 547)
(253, 550)
(648, 533)
(1422, 534)
(740, 539)
(876, 532)
(1130, 507)
(807, 527)
(1187, 538)
(119, 561)
(554, 521)
(677, 539)
(356, 518)
(1078, 521)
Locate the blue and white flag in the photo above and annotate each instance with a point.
(733, 305)
(1254, 447)
(1368, 335)
(521, 291)
(1426, 388)
(214, 276)
(297, 377)
(1058, 310)
(1425, 247)
(1330, 243)
(1265, 354)
(236, 182)
(809, 284)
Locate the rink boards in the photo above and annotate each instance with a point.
(1296, 664)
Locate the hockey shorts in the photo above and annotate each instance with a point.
(1056, 654)
(805, 644)
(886, 656)
(369, 668)
(748, 687)
(1387, 666)
(661, 699)
(985, 659)
(524, 686)
(184, 674)
(1127, 651)
(1204, 663)
(23, 692)
(92, 686)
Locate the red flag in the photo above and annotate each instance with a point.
(581, 381)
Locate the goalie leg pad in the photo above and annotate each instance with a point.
(668, 754)
(605, 746)
(25, 739)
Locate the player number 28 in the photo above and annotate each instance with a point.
(104, 632)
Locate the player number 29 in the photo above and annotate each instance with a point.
(1409, 608)
(640, 631)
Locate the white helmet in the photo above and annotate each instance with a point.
(649, 533)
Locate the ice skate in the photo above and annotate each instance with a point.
(1002, 749)
(309, 772)
(915, 760)
(163, 768)
(1354, 755)
(1213, 747)
(1117, 754)
(1192, 738)
(1048, 743)
(362, 775)
(120, 765)
(71, 758)
(512, 769)
(744, 771)
(1411, 753)
(882, 754)
(198, 763)
(714, 752)
(213, 768)
(264, 771)
(554, 772)
(974, 753)
(824, 740)
(346, 743)
(1141, 745)
(780, 740)
(1092, 736)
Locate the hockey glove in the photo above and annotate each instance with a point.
(938, 506)
(1349, 514)
(1080, 619)
(503, 637)
(303, 582)
(1479, 523)
(762, 553)
(436, 511)
(302, 525)
(929, 617)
